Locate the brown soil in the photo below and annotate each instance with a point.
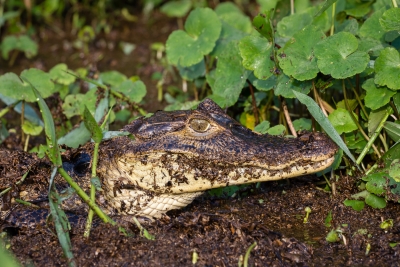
(220, 230)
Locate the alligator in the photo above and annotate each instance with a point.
(169, 159)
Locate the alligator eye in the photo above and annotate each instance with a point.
(199, 125)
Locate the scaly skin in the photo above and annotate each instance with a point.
(173, 158)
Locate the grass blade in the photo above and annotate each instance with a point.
(319, 116)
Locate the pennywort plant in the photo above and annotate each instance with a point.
(344, 54)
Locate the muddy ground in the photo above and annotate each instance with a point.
(221, 229)
(218, 229)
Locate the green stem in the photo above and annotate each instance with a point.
(85, 197)
(333, 19)
(356, 121)
(247, 255)
(92, 190)
(389, 111)
(394, 3)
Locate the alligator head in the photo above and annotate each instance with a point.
(178, 155)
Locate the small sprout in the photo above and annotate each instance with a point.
(308, 211)
(393, 244)
(328, 219)
(386, 224)
(332, 236)
(195, 257)
(261, 201)
(240, 262)
(368, 248)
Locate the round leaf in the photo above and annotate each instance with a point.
(394, 170)
(135, 91)
(31, 129)
(59, 74)
(231, 14)
(338, 56)
(376, 97)
(256, 54)
(286, 86)
(21, 43)
(192, 72)
(372, 28)
(262, 127)
(342, 121)
(297, 58)
(390, 20)
(202, 31)
(230, 75)
(357, 205)
(176, 8)
(40, 80)
(12, 86)
(113, 78)
(375, 201)
(376, 183)
(387, 68)
(292, 24)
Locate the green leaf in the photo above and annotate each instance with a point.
(60, 220)
(76, 137)
(41, 81)
(372, 28)
(376, 183)
(342, 121)
(396, 100)
(188, 47)
(387, 68)
(375, 118)
(60, 75)
(390, 20)
(75, 104)
(287, 85)
(277, 130)
(375, 201)
(349, 25)
(262, 127)
(92, 126)
(230, 75)
(359, 11)
(12, 86)
(256, 54)
(231, 14)
(292, 24)
(176, 8)
(393, 130)
(192, 72)
(324, 7)
(394, 170)
(262, 23)
(332, 237)
(31, 129)
(113, 78)
(302, 124)
(49, 128)
(135, 91)
(21, 43)
(371, 46)
(297, 58)
(320, 117)
(328, 219)
(228, 34)
(357, 205)
(338, 56)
